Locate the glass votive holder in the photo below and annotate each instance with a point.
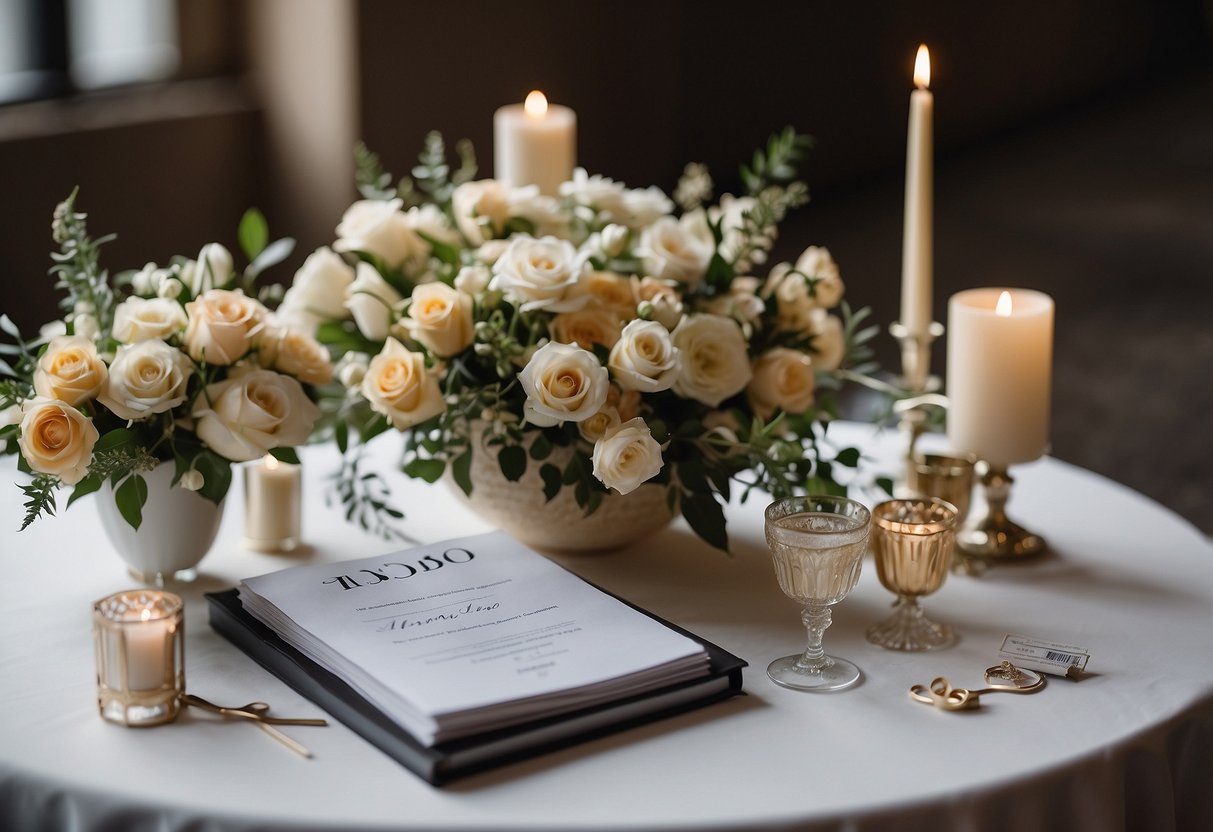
(273, 493)
(139, 642)
(945, 477)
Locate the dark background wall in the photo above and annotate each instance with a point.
(1074, 139)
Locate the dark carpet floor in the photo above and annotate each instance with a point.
(1108, 208)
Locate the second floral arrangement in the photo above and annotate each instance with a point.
(631, 329)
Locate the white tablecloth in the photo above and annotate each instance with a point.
(1130, 747)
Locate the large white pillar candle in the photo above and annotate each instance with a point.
(917, 228)
(272, 496)
(1000, 358)
(535, 144)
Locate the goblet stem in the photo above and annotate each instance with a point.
(816, 619)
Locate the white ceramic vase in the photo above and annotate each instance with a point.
(177, 531)
(522, 510)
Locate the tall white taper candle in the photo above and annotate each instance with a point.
(918, 228)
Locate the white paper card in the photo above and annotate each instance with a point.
(1051, 657)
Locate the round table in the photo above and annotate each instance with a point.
(1131, 746)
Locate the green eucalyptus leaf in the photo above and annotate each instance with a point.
(430, 470)
(285, 454)
(512, 460)
(848, 457)
(551, 480)
(116, 438)
(272, 255)
(216, 475)
(461, 470)
(131, 496)
(253, 233)
(541, 448)
(86, 486)
(705, 516)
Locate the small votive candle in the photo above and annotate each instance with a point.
(139, 641)
(272, 496)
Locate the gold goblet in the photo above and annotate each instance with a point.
(912, 542)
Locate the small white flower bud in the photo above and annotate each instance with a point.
(614, 239)
(192, 480)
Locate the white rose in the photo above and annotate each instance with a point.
(85, 325)
(829, 344)
(472, 280)
(318, 290)
(715, 365)
(170, 288)
(137, 319)
(741, 302)
(664, 302)
(252, 411)
(351, 368)
(148, 280)
(372, 301)
(430, 221)
(490, 252)
(614, 239)
(540, 274)
(598, 425)
(380, 228)
(563, 383)
(146, 378)
(299, 354)
(70, 370)
(481, 209)
(818, 265)
(729, 213)
(669, 251)
(586, 327)
(441, 318)
(627, 456)
(212, 268)
(398, 385)
(643, 207)
(783, 379)
(10, 415)
(56, 439)
(645, 358)
(598, 192)
(610, 291)
(222, 326)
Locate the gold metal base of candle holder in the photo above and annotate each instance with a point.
(993, 537)
(278, 545)
(916, 357)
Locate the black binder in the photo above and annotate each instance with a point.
(447, 761)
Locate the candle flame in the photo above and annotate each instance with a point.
(1003, 308)
(922, 67)
(145, 614)
(271, 462)
(536, 104)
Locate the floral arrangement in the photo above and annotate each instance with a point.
(180, 365)
(625, 325)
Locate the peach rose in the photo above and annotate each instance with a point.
(57, 439)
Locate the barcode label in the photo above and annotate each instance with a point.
(1043, 656)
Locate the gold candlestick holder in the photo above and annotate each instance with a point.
(993, 536)
(917, 379)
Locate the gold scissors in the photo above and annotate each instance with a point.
(1002, 678)
(256, 711)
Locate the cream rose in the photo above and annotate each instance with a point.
(586, 327)
(56, 439)
(297, 353)
(372, 302)
(380, 228)
(610, 291)
(659, 301)
(472, 280)
(645, 358)
(138, 319)
(398, 385)
(819, 266)
(430, 221)
(597, 192)
(644, 206)
(627, 456)
(715, 365)
(598, 425)
(829, 344)
(783, 379)
(563, 383)
(481, 209)
(318, 291)
(146, 378)
(541, 274)
(252, 411)
(441, 318)
(741, 302)
(222, 326)
(212, 268)
(670, 251)
(70, 370)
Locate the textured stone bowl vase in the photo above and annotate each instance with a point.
(523, 511)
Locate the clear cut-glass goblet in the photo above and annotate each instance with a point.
(817, 545)
(912, 542)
